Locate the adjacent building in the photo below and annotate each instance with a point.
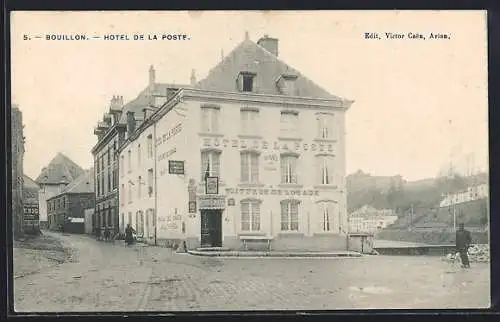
(17, 157)
(111, 133)
(31, 217)
(53, 178)
(253, 152)
(66, 210)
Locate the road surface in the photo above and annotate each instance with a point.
(112, 277)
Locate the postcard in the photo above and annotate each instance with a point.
(192, 161)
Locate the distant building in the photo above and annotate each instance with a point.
(31, 209)
(369, 220)
(66, 209)
(17, 171)
(472, 193)
(255, 151)
(111, 133)
(53, 179)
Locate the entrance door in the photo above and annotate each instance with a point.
(211, 228)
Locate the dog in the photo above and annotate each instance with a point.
(454, 259)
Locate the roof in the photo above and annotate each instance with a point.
(83, 184)
(142, 100)
(30, 191)
(251, 57)
(60, 169)
(30, 183)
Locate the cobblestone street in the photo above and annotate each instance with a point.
(112, 277)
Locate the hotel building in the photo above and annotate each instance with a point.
(254, 152)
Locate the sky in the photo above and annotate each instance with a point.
(419, 104)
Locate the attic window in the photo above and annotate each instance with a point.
(246, 82)
(286, 84)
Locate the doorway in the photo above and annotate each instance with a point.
(211, 228)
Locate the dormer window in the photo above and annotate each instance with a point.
(286, 84)
(246, 82)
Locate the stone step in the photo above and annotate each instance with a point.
(212, 249)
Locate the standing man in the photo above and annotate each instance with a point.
(463, 242)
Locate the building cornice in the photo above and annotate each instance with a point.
(107, 136)
(269, 99)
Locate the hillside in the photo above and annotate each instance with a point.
(425, 195)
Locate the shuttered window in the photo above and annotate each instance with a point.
(326, 215)
(249, 167)
(289, 169)
(250, 215)
(210, 164)
(249, 121)
(289, 123)
(326, 126)
(290, 215)
(325, 168)
(210, 119)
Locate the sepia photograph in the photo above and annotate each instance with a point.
(193, 161)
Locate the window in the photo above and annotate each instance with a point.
(210, 164)
(139, 155)
(122, 194)
(109, 180)
(122, 222)
(249, 167)
(129, 160)
(98, 184)
(249, 121)
(109, 156)
(122, 165)
(129, 192)
(150, 146)
(139, 220)
(290, 215)
(325, 126)
(150, 182)
(97, 165)
(210, 119)
(139, 187)
(326, 215)
(114, 151)
(289, 123)
(289, 168)
(102, 184)
(250, 215)
(325, 167)
(286, 84)
(246, 82)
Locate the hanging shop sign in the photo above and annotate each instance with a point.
(212, 185)
(175, 167)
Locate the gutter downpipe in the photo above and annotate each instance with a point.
(155, 179)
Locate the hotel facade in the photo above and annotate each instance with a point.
(254, 152)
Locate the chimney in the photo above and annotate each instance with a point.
(269, 44)
(130, 123)
(152, 80)
(116, 102)
(193, 77)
